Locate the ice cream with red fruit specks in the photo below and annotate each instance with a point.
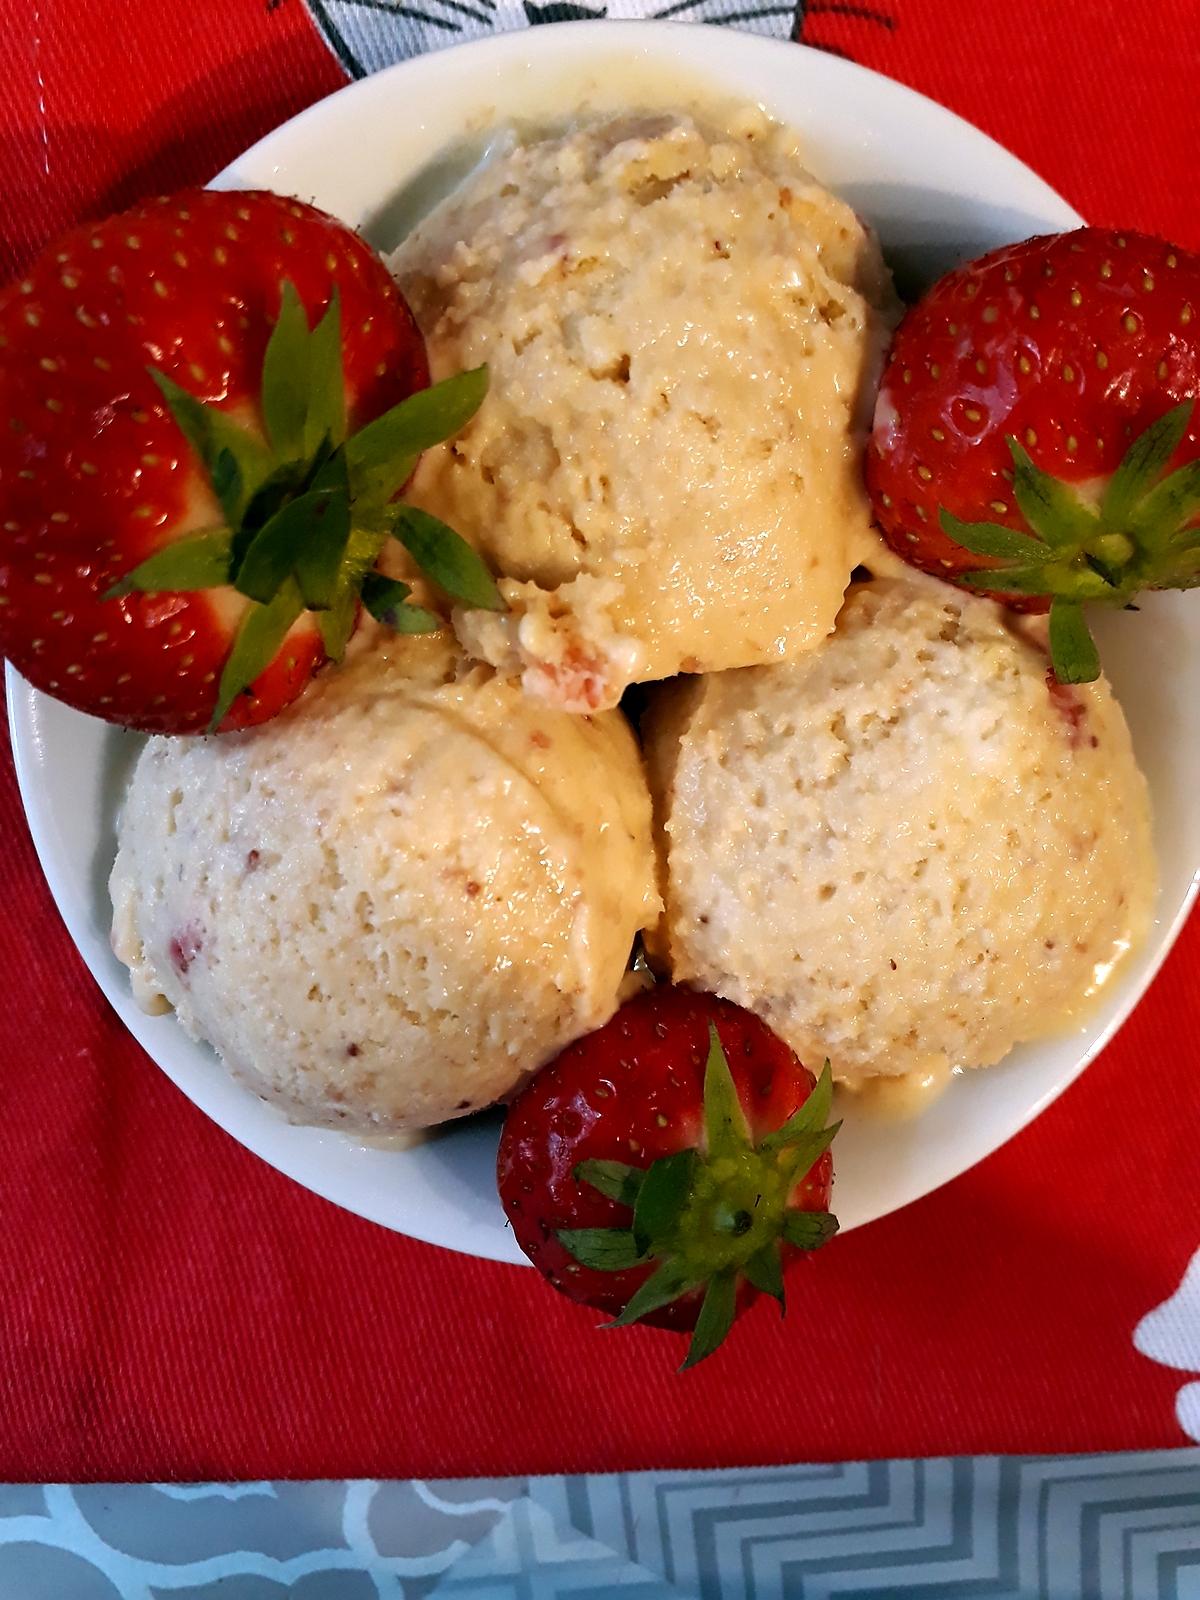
(908, 851)
(394, 902)
(683, 330)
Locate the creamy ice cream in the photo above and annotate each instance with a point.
(395, 901)
(908, 851)
(683, 330)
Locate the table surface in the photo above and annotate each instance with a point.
(172, 1308)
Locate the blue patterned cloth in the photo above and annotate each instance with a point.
(1119, 1527)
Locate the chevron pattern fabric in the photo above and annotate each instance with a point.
(1117, 1527)
(989, 1528)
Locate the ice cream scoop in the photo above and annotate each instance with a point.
(683, 330)
(391, 904)
(908, 851)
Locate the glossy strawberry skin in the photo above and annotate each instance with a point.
(1073, 344)
(633, 1092)
(94, 473)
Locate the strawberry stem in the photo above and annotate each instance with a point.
(708, 1217)
(1139, 538)
(307, 511)
(1073, 653)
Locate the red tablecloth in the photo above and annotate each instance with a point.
(171, 1307)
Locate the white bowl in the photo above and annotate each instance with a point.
(938, 191)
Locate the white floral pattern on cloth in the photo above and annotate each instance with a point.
(944, 1529)
(366, 35)
(1170, 1335)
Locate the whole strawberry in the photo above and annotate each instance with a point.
(665, 1167)
(1035, 436)
(206, 419)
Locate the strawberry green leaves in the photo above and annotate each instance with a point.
(1072, 648)
(308, 532)
(661, 1199)
(613, 1179)
(307, 510)
(664, 1286)
(1143, 464)
(321, 553)
(715, 1319)
(284, 377)
(704, 1218)
(1055, 512)
(725, 1130)
(325, 418)
(303, 400)
(236, 462)
(1162, 516)
(199, 561)
(337, 624)
(259, 637)
(1140, 536)
(385, 599)
(602, 1249)
(765, 1270)
(809, 1120)
(447, 559)
(809, 1230)
(382, 455)
(990, 539)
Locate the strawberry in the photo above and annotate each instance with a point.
(1033, 406)
(210, 402)
(664, 1168)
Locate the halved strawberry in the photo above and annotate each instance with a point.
(1035, 434)
(210, 402)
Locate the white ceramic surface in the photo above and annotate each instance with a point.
(937, 190)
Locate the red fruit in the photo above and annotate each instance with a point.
(1031, 403)
(665, 1167)
(105, 467)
